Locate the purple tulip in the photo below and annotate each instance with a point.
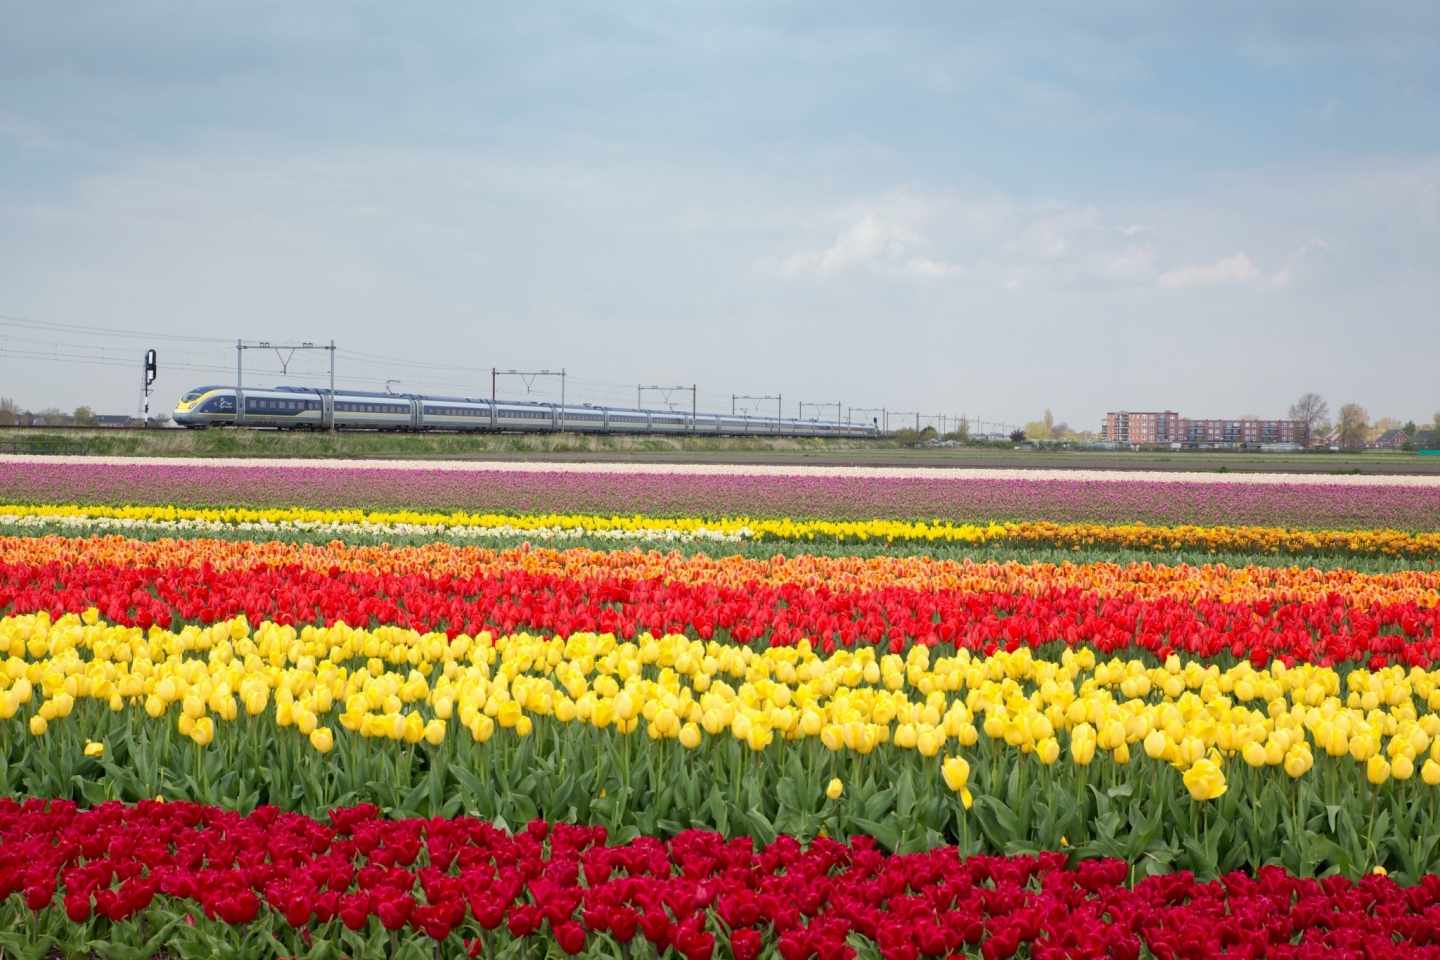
(615, 491)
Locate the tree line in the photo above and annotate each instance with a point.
(1352, 429)
(12, 414)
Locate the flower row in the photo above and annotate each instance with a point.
(402, 685)
(357, 882)
(1253, 615)
(1039, 497)
(837, 573)
(42, 520)
(956, 730)
(1135, 536)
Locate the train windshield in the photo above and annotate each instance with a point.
(195, 394)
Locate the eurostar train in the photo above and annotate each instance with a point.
(309, 408)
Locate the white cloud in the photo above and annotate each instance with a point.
(1133, 261)
(869, 241)
(1240, 269)
(1236, 268)
(926, 267)
(1295, 264)
(992, 240)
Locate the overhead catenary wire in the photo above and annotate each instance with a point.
(10, 320)
(21, 330)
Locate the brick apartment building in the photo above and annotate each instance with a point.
(1142, 426)
(1135, 428)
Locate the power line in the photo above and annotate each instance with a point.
(92, 360)
(9, 320)
(41, 342)
(362, 357)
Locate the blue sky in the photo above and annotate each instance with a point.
(956, 208)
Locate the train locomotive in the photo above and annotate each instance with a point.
(313, 408)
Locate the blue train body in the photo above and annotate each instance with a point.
(317, 409)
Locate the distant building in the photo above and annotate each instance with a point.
(1143, 428)
(1391, 440)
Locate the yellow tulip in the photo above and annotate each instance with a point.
(1204, 780)
(1377, 769)
(435, 732)
(834, 788)
(956, 771)
(1298, 761)
(1048, 750)
(94, 749)
(322, 739)
(38, 725)
(203, 732)
(690, 736)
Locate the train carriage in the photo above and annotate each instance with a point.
(289, 407)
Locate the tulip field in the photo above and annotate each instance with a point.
(363, 710)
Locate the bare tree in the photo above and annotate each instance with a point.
(1311, 409)
(10, 412)
(1354, 426)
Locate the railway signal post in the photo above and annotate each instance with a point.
(147, 381)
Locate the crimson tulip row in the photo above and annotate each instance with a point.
(466, 883)
(1333, 630)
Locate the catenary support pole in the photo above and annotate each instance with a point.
(239, 382)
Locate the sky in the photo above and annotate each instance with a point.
(944, 207)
